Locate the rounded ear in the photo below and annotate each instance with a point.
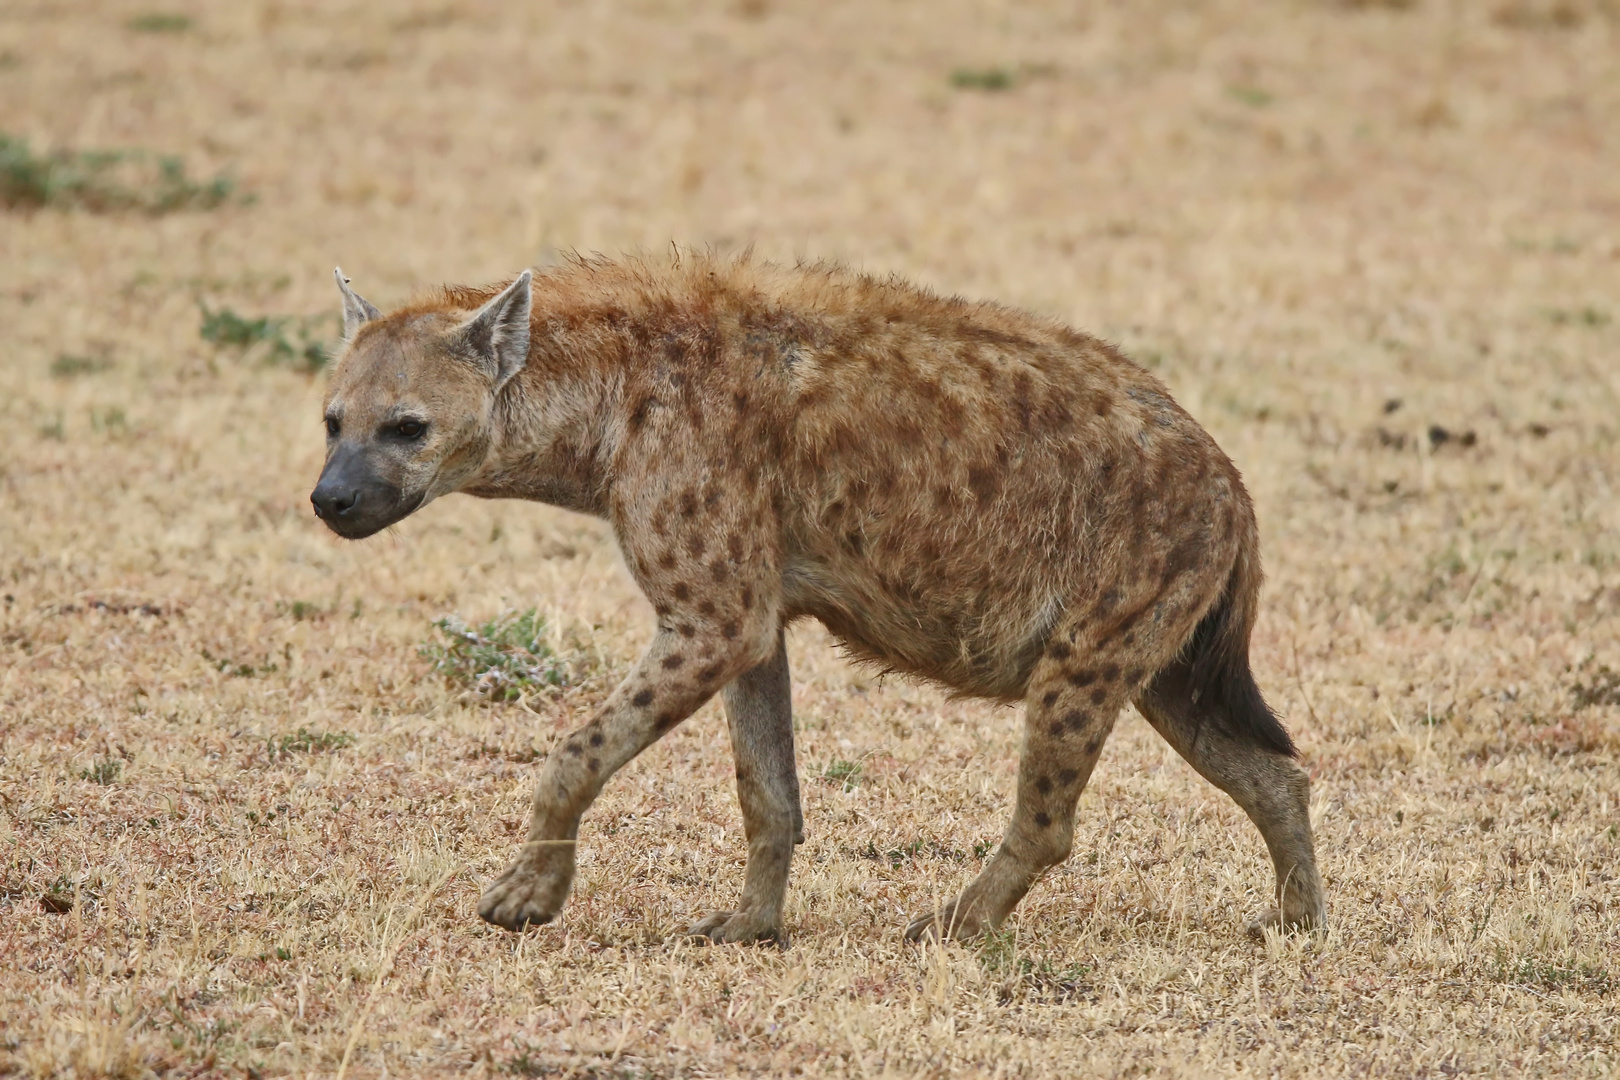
(357, 310)
(499, 334)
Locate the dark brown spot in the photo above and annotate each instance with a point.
(748, 599)
(706, 608)
(1044, 820)
(1095, 744)
(575, 749)
(673, 661)
(694, 545)
(667, 562)
(1083, 678)
(983, 481)
(711, 673)
(688, 504)
(730, 630)
(642, 699)
(1059, 651)
(1134, 675)
(593, 764)
(1043, 784)
(665, 721)
(596, 738)
(734, 546)
(1098, 696)
(1056, 729)
(1068, 776)
(687, 630)
(719, 570)
(1077, 721)
(1110, 672)
(682, 591)
(639, 416)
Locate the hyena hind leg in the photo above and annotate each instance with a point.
(1261, 778)
(1074, 697)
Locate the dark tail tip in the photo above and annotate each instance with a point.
(1219, 654)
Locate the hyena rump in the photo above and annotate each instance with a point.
(957, 490)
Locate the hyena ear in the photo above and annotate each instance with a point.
(357, 310)
(499, 334)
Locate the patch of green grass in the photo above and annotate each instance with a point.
(1588, 316)
(502, 659)
(103, 772)
(1252, 96)
(109, 421)
(239, 670)
(72, 365)
(304, 609)
(297, 342)
(845, 773)
(1582, 978)
(986, 79)
(160, 22)
(999, 955)
(305, 741)
(1603, 688)
(102, 181)
(917, 849)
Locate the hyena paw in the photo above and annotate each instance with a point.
(1300, 922)
(524, 897)
(738, 926)
(948, 922)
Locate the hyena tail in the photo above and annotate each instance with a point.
(1218, 653)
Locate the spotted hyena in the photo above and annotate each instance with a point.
(957, 490)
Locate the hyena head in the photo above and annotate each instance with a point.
(410, 406)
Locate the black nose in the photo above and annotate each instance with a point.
(334, 500)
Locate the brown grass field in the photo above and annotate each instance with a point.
(1374, 247)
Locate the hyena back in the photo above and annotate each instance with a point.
(960, 491)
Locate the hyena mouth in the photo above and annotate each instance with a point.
(363, 513)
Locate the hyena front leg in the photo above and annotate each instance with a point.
(759, 712)
(685, 664)
(1073, 700)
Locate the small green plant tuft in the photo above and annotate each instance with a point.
(305, 741)
(72, 365)
(1022, 975)
(503, 659)
(986, 79)
(845, 773)
(1252, 96)
(296, 342)
(102, 181)
(1603, 688)
(103, 772)
(160, 22)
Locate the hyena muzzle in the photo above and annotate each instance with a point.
(957, 490)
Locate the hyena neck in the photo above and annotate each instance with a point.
(552, 430)
(559, 422)
(549, 445)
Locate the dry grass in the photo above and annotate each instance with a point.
(244, 825)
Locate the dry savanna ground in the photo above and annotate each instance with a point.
(1374, 247)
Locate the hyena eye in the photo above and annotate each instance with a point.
(410, 429)
(332, 427)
